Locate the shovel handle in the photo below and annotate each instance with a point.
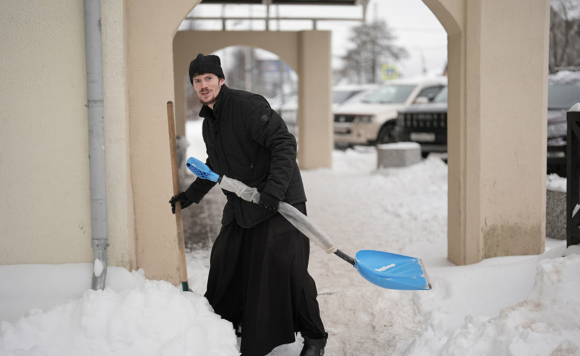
(178, 217)
(345, 257)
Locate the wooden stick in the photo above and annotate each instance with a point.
(178, 218)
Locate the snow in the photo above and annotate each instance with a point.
(564, 76)
(556, 183)
(153, 318)
(399, 146)
(518, 305)
(98, 268)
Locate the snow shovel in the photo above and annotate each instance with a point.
(387, 270)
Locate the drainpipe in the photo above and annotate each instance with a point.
(96, 141)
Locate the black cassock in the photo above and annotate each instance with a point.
(258, 280)
(258, 277)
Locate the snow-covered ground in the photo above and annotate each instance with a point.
(519, 305)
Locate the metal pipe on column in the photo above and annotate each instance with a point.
(93, 45)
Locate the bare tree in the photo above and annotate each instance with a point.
(564, 34)
(373, 46)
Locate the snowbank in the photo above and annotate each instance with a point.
(564, 77)
(154, 318)
(556, 183)
(545, 323)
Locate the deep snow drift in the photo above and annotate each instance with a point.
(520, 305)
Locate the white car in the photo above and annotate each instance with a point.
(287, 107)
(372, 119)
(349, 93)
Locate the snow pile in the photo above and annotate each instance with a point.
(154, 318)
(564, 77)
(399, 146)
(556, 183)
(43, 286)
(546, 323)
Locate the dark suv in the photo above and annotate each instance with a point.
(427, 123)
(563, 93)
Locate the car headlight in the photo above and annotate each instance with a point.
(558, 130)
(365, 119)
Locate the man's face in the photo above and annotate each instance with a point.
(207, 86)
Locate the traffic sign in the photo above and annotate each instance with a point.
(389, 72)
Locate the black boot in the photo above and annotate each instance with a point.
(314, 347)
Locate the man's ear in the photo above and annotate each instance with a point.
(222, 81)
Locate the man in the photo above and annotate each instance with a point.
(258, 277)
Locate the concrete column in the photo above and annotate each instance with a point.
(512, 109)
(498, 53)
(315, 131)
(151, 27)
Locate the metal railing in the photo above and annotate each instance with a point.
(267, 20)
(573, 178)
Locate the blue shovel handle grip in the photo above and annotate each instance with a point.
(201, 170)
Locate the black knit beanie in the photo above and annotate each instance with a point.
(205, 64)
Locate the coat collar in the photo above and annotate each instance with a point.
(206, 111)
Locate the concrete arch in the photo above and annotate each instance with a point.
(187, 44)
(146, 54)
(211, 41)
(449, 13)
(183, 53)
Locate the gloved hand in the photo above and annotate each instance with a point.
(182, 198)
(269, 201)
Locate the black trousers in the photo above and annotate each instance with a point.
(258, 280)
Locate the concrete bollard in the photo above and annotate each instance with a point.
(401, 154)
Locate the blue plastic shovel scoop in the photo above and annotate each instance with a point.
(392, 271)
(387, 270)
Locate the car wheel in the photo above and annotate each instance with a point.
(386, 134)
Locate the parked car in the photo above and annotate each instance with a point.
(351, 93)
(563, 93)
(372, 119)
(287, 106)
(427, 123)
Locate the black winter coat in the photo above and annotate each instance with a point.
(248, 141)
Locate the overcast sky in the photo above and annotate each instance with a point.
(415, 26)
